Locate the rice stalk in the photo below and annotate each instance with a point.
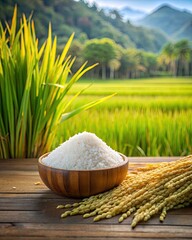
(34, 89)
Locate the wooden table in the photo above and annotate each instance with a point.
(28, 211)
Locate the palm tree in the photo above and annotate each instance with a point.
(148, 61)
(168, 56)
(182, 54)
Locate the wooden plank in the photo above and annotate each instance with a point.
(31, 204)
(5, 225)
(91, 231)
(35, 195)
(52, 215)
(102, 227)
(20, 183)
(58, 231)
(75, 238)
(18, 167)
(18, 164)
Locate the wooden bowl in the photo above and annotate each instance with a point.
(82, 183)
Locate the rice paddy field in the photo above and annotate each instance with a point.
(148, 117)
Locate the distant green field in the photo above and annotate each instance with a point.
(146, 87)
(151, 117)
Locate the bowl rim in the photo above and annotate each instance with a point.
(125, 161)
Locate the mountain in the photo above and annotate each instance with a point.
(184, 32)
(131, 14)
(86, 21)
(174, 22)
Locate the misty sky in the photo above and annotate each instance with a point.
(145, 5)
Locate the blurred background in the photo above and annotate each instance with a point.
(129, 39)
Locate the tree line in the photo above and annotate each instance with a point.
(117, 62)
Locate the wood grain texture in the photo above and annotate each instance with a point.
(29, 211)
(82, 183)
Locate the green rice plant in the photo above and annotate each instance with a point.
(34, 89)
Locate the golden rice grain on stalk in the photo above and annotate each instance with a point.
(153, 190)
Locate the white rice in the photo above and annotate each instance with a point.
(81, 152)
